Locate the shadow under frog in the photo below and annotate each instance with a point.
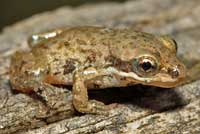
(154, 98)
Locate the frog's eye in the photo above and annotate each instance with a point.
(145, 66)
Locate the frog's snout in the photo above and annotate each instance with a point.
(170, 76)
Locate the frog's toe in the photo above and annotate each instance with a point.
(97, 103)
(98, 107)
(112, 106)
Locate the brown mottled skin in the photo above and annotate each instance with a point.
(96, 57)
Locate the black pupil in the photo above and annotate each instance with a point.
(146, 66)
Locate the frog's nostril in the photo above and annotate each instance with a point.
(174, 72)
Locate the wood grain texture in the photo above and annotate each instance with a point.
(139, 109)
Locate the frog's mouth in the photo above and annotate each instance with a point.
(165, 80)
(159, 80)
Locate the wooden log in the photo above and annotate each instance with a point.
(140, 109)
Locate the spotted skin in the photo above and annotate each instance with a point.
(93, 58)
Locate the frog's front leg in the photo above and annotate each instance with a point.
(80, 94)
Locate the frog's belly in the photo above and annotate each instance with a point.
(105, 82)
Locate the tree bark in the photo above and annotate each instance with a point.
(140, 109)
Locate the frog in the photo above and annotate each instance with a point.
(95, 57)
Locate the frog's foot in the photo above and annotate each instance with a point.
(112, 106)
(93, 107)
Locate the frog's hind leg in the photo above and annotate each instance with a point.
(23, 81)
(19, 78)
(25, 78)
(43, 92)
(40, 37)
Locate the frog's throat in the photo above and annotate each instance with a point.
(147, 81)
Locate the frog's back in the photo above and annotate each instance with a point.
(55, 60)
(89, 45)
(76, 48)
(81, 47)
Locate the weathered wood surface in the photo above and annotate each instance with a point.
(140, 109)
